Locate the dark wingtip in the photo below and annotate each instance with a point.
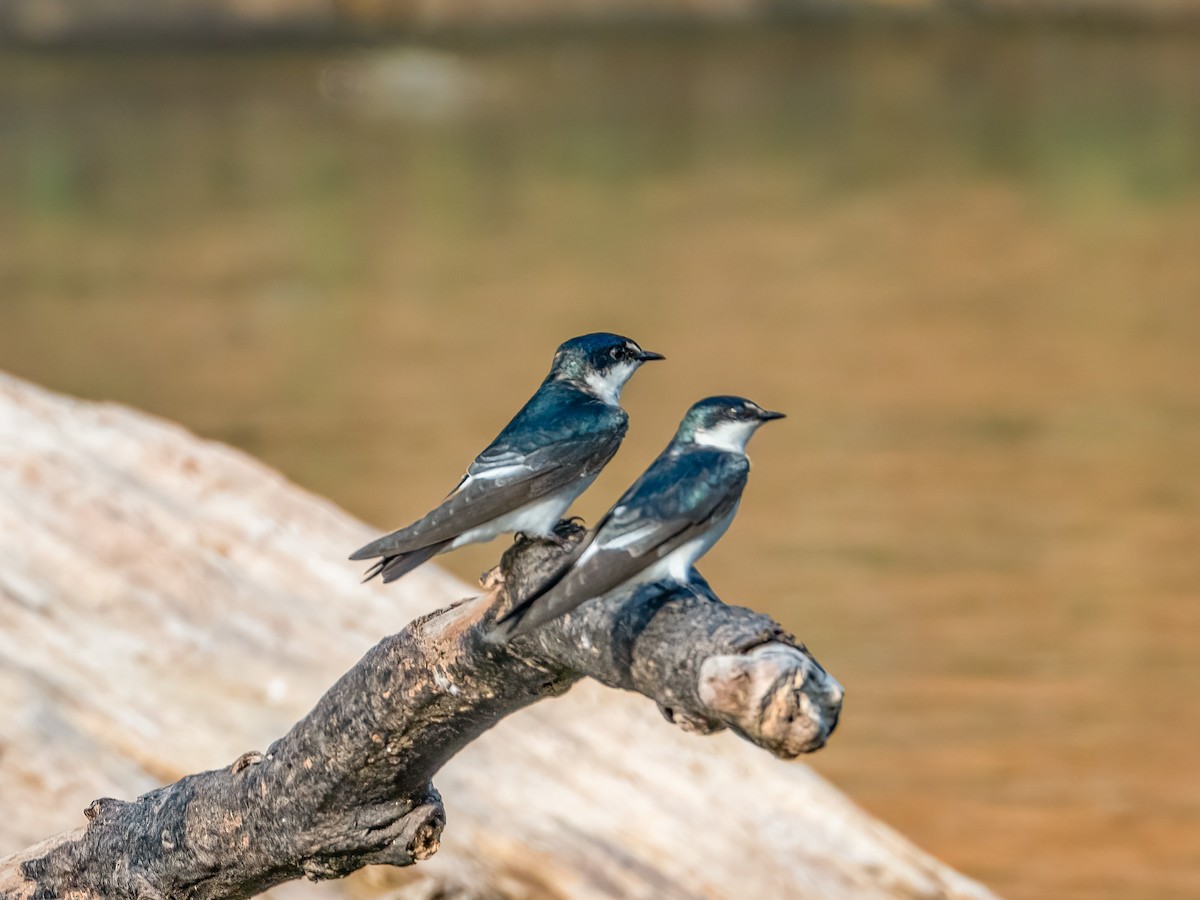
(522, 619)
(400, 564)
(390, 575)
(373, 571)
(509, 626)
(499, 634)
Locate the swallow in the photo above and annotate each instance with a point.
(527, 478)
(668, 519)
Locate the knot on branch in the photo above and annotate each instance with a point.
(247, 759)
(775, 695)
(531, 561)
(688, 721)
(102, 807)
(394, 833)
(427, 837)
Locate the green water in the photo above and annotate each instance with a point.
(964, 263)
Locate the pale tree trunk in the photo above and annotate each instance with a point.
(166, 602)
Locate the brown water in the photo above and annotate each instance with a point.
(968, 266)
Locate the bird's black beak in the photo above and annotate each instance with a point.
(649, 356)
(767, 415)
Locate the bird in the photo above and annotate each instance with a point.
(670, 517)
(548, 455)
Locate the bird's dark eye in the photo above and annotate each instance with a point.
(616, 354)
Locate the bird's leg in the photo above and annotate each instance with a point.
(521, 538)
(561, 535)
(566, 531)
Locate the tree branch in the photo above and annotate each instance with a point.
(350, 784)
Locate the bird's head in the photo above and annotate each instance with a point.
(725, 423)
(600, 363)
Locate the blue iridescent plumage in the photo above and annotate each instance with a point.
(544, 458)
(669, 518)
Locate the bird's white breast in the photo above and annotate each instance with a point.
(677, 565)
(536, 519)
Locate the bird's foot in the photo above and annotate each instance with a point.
(558, 540)
(567, 532)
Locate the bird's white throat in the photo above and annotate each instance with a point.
(730, 436)
(607, 385)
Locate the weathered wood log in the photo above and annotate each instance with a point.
(115, 530)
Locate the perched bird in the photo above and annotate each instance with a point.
(667, 520)
(548, 455)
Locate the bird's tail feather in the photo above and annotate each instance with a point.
(517, 621)
(400, 564)
(523, 617)
(509, 625)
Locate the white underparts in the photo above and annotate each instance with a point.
(536, 519)
(607, 386)
(676, 565)
(731, 436)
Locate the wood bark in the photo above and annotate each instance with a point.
(166, 602)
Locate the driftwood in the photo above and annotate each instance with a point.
(349, 785)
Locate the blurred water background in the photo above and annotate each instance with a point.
(965, 260)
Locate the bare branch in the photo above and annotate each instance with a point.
(350, 784)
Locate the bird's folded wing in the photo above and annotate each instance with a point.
(662, 512)
(506, 483)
